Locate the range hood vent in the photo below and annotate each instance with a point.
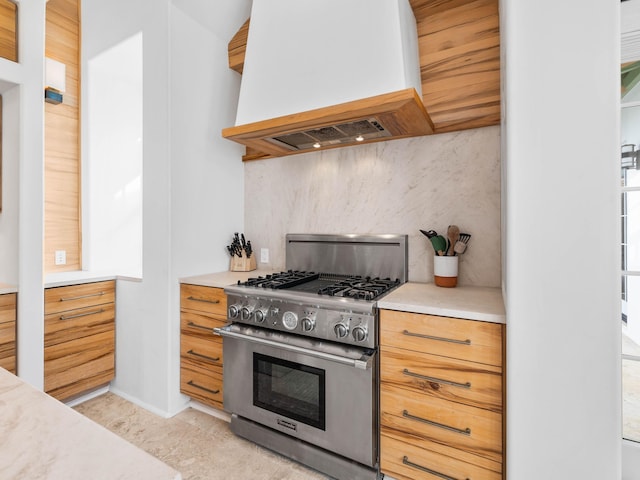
(332, 135)
(308, 81)
(383, 117)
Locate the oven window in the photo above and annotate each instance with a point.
(290, 389)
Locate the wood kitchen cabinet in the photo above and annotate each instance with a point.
(441, 397)
(8, 331)
(79, 338)
(201, 310)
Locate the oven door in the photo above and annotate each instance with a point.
(319, 392)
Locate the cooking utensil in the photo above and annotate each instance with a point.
(461, 245)
(439, 244)
(453, 234)
(459, 248)
(430, 234)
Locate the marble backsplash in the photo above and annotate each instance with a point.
(400, 186)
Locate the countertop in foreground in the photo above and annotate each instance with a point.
(44, 439)
(473, 303)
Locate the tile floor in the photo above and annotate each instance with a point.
(199, 446)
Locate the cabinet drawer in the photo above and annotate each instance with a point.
(8, 346)
(204, 385)
(200, 324)
(8, 363)
(60, 299)
(203, 299)
(404, 461)
(475, 384)
(450, 337)
(75, 366)
(201, 351)
(460, 426)
(8, 307)
(82, 322)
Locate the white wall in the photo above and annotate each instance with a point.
(112, 165)
(10, 185)
(189, 175)
(30, 329)
(561, 117)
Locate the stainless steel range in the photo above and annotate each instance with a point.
(300, 356)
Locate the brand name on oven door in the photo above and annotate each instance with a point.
(287, 424)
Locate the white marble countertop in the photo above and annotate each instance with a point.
(43, 438)
(6, 288)
(81, 276)
(222, 279)
(473, 303)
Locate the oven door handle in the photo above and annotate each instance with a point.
(365, 362)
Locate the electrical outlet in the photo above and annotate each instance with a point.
(61, 257)
(264, 255)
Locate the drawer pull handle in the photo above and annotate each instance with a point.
(214, 392)
(439, 339)
(466, 431)
(78, 315)
(80, 297)
(195, 325)
(191, 352)
(436, 380)
(406, 461)
(204, 300)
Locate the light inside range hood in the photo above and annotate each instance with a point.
(332, 135)
(320, 65)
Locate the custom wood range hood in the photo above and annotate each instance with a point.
(455, 86)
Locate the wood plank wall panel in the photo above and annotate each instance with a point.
(459, 42)
(8, 30)
(238, 47)
(62, 141)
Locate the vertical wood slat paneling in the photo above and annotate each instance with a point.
(8, 30)
(459, 43)
(62, 141)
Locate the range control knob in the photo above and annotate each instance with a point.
(245, 312)
(359, 333)
(307, 324)
(260, 315)
(341, 330)
(234, 310)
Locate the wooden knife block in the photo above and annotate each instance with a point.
(242, 264)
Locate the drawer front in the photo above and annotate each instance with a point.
(404, 461)
(8, 346)
(475, 384)
(79, 323)
(204, 385)
(203, 299)
(471, 429)
(450, 337)
(60, 299)
(201, 351)
(8, 363)
(75, 366)
(200, 324)
(8, 307)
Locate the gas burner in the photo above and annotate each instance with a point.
(281, 280)
(360, 288)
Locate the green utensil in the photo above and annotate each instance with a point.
(439, 244)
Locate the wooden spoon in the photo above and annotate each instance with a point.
(453, 234)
